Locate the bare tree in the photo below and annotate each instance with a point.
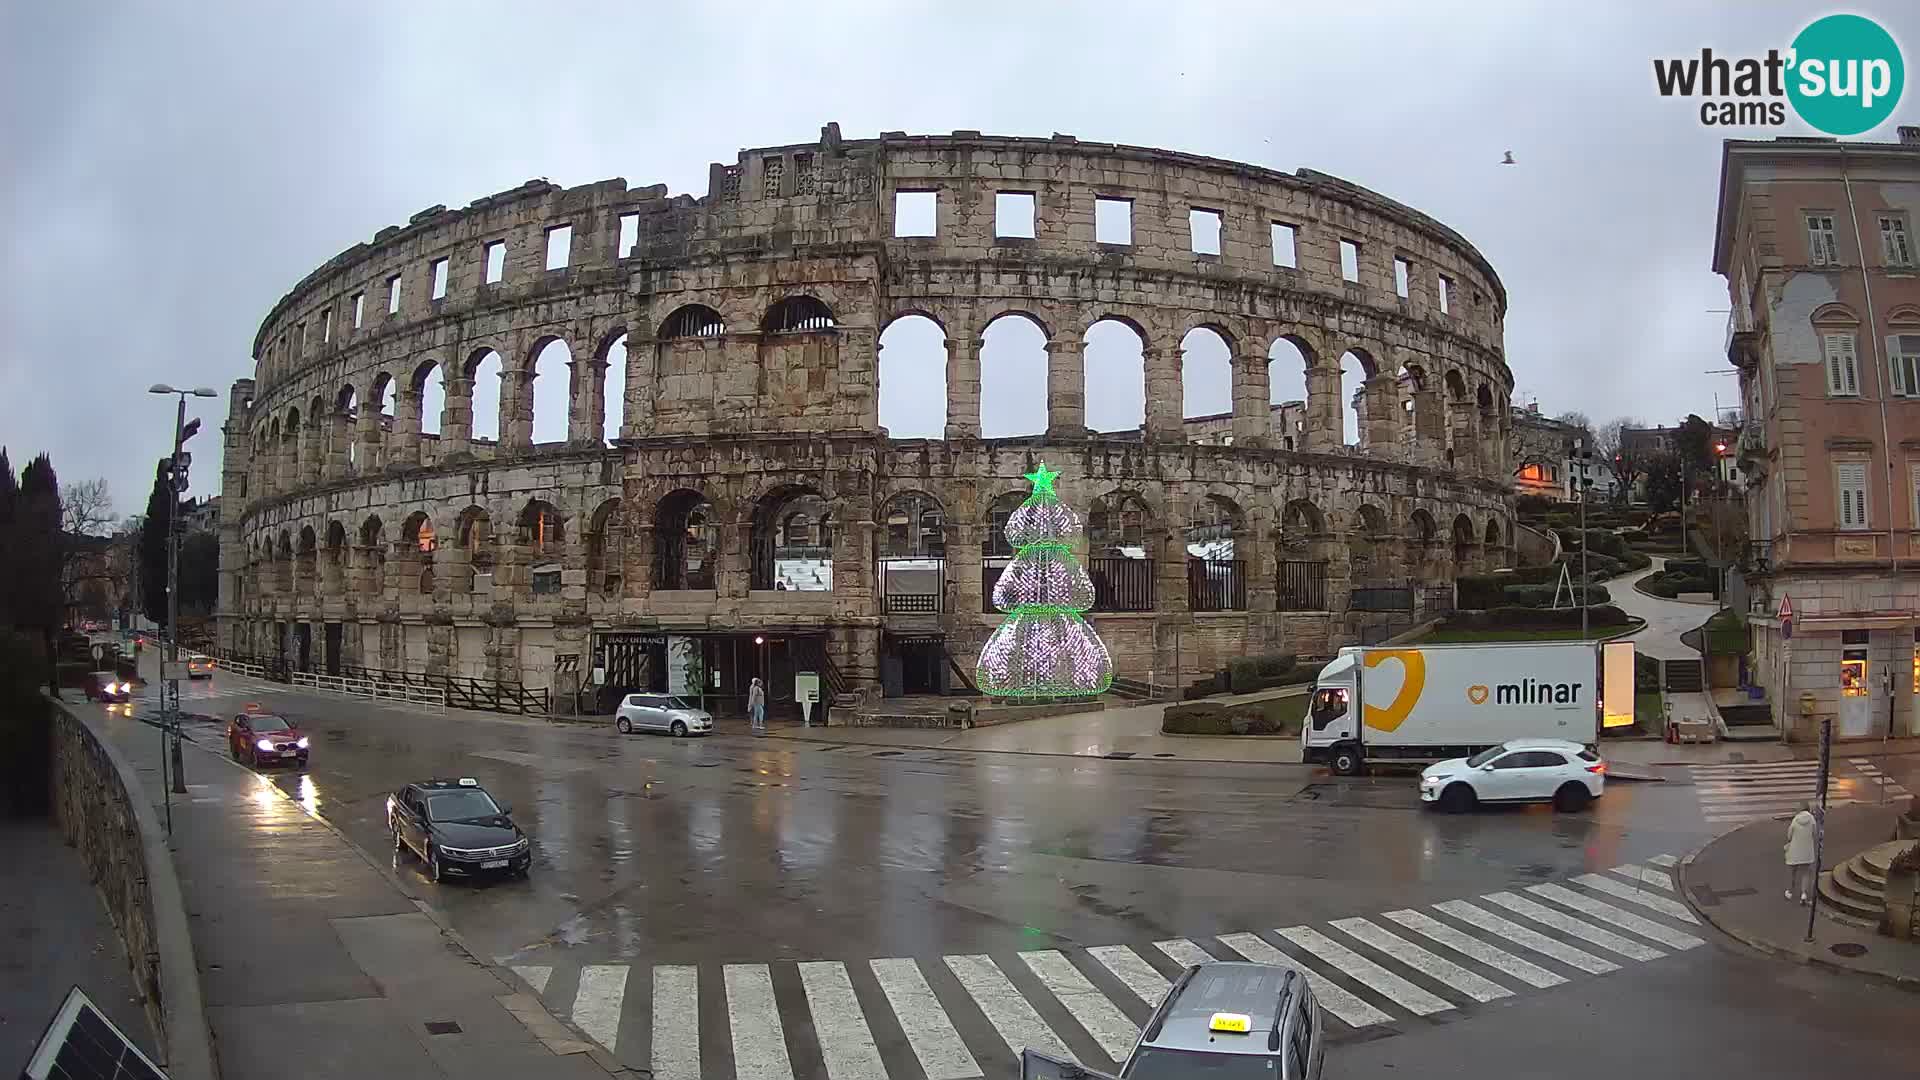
(86, 509)
(86, 570)
(1576, 419)
(1625, 465)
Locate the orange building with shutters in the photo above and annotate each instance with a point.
(1816, 240)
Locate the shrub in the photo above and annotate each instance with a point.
(1541, 596)
(1534, 505)
(1633, 536)
(26, 728)
(1646, 672)
(1519, 618)
(1559, 520)
(1196, 718)
(1279, 717)
(1249, 673)
(1275, 663)
(1638, 560)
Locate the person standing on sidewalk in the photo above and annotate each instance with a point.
(1800, 853)
(757, 710)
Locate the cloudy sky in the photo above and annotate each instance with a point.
(172, 169)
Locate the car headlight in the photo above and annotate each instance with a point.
(302, 744)
(263, 744)
(522, 844)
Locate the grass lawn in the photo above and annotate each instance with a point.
(1448, 637)
(1649, 710)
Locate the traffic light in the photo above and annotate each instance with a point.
(181, 459)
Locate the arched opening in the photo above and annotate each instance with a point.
(797, 314)
(373, 559)
(1356, 367)
(1120, 552)
(1216, 576)
(1462, 545)
(540, 534)
(473, 531)
(417, 547)
(283, 563)
(380, 399)
(333, 566)
(430, 389)
(1287, 363)
(913, 378)
(1364, 549)
(305, 566)
(912, 555)
(692, 321)
(1303, 555)
(483, 377)
(1013, 377)
(552, 391)
(1494, 553)
(996, 551)
(606, 550)
(1206, 377)
(1116, 376)
(290, 451)
(613, 388)
(1422, 544)
(346, 415)
(686, 542)
(790, 541)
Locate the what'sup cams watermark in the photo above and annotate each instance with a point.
(1842, 75)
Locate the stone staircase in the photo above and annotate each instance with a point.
(1854, 892)
(1683, 676)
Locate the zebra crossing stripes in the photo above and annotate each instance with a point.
(1663, 860)
(596, 1008)
(1184, 952)
(1147, 984)
(1467, 945)
(1607, 913)
(1336, 999)
(537, 976)
(846, 1042)
(759, 1043)
(1365, 971)
(1606, 939)
(931, 1035)
(1525, 938)
(1672, 909)
(1659, 879)
(1108, 1025)
(676, 1023)
(1422, 961)
(1889, 787)
(1018, 1023)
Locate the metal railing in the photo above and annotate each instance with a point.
(378, 683)
(1217, 584)
(1380, 597)
(1121, 584)
(1302, 586)
(898, 599)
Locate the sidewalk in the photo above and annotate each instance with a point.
(1735, 882)
(1130, 731)
(310, 954)
(58, 936)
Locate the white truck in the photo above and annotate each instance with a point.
(1426, 703)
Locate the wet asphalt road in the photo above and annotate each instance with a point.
(730, 850)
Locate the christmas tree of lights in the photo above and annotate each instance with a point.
(1044, 648)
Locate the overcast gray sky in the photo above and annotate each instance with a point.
(171, 170)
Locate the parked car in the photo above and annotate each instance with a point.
(661, 712)
(108, 686)
(457, 829)
(1519, 770)
(264, 738)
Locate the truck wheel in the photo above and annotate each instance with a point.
(1458, 799)
(1346, 760)
(1571, 798)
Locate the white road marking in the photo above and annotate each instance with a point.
(1364, 971)
(846, 1043)
(1663, 860)
(596, 1005)
(1625, 920)
(753, 1016)
(535, 976)
(1468, 945)
(1009, 1013)
(942, 1055)
(1426, 963)
(1672, 909)
(1149, 985)
(1659, 879)
(1184, 952)
(1106, 1023)
(1606, 939)
(1334, 998)
(1526, 937)
(676, 1023)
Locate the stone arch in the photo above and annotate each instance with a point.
(1288, 394)
(1214, 541)
(613, 385)
(790, 539)
(1494, 551)
(548, 392)
(283, 562)
(306, 563)
(429, 398)
(541, 529)
(333, 566)
(343, 448)
(1114, 387)
(1463, 544)
(1121, 524)
(692, 321)
(912, 376)
(606, 549)
(912, 526)
(1366, 542)
(686, 541)
(1206, 372)
(797, 314)
(1013, 374)
(484, 375)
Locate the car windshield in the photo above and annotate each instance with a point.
(674, 703)
(1485, 756)
(268, 723)
(1160, 1063)
(461, 805)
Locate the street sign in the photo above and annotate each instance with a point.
(1786, 629)
(1785, 611)
(806, 691)
(173, 670)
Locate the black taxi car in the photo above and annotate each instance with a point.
(457, 829)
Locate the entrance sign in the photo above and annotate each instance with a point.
(806, 691)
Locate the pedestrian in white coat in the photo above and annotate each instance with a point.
(1800, 853)
(757, 707)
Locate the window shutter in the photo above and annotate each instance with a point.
(1914, 475)
(1896, 359)
(1852, 477)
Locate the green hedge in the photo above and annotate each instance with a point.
(1541, 596)
(1519, 618)
(26, 728)
(1646, 672)
(1281, 717)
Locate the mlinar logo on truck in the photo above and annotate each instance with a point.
(1527, 692)
(1413, 665)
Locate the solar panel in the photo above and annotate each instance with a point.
(81, 1044)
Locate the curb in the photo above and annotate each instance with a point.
(1909, 983)
(541, 1024)
(1051, 754)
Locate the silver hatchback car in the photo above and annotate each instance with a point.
(1232, 1020)
(661, 712)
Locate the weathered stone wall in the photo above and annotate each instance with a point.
(423, 547)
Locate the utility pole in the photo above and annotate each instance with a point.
(170, 687)
(1580, 455)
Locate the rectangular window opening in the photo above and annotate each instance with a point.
(496, 261)
(326, 326)
(1893, 241)
(1850, 479)
(1204, 226)
(1402, 274)
(559, 246)
(1284, 238)
(1013, 214)
(1903, 355)
(1446, 295)
(1843, 373)
(629, 233)
(393, 295)
(1349, 261)
(915, 213)
(359, 309)
(439, 279)
(1112, 221)
(1823, 248)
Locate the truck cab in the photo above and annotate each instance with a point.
(1331, 733)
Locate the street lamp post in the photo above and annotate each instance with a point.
(1581, 456)
(169, 671)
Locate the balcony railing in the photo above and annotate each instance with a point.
(1217, 584)
(1380, 596)
(913, 586)
(1121, 584)
(1302, 586)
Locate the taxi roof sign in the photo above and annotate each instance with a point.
(1239, 1023)
(468, 781)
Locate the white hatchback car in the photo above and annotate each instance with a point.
(1520, 770)
(661, 712)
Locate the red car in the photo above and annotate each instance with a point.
(263, 738)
